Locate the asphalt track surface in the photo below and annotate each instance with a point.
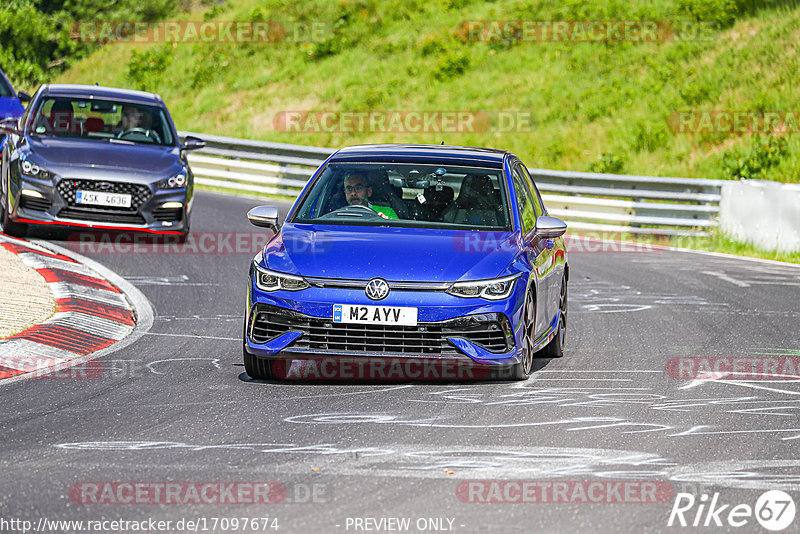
(182, 408)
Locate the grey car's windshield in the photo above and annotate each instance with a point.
(404, 194)
(102, 119)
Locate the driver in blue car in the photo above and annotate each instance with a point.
(357, 192)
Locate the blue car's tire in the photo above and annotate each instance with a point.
(522, 370)
(555, 349)
(255, 367)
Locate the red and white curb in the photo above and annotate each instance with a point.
(93, 313)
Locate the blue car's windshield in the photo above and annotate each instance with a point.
(403, 194)
(101, 119)
(5, 90)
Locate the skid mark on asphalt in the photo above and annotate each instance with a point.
(606, 297)
(425, 461)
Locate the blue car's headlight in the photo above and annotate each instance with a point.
(267, 280)
(497, 289)
(33, 170)
(174, 182)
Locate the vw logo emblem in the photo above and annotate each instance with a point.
(377, 289)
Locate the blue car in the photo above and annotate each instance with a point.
(95, 157)
(10, 101)
(404, 253)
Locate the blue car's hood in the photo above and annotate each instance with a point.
(10, 107)
(54, 152)
(412, 254)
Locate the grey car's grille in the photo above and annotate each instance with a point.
(38, 204)
(139, 193)
(425, 339)
(167, 214)
(101, 215)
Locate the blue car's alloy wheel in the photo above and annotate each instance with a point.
(522, 370)
(555, 349)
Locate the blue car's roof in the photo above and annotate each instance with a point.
(96, 91)
(436, 154)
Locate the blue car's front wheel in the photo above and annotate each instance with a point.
(522, 370)
(255, 367)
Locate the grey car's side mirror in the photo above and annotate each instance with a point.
(264, 216)
(550, 227)
(192, 143)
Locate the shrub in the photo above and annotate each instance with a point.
(146, 68)
(609, 163)
(753, 163)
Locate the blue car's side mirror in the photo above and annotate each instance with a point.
(264, 216)
(550, 227)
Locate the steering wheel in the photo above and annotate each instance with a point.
(152, 134)
(354, 210)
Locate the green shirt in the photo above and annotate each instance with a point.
(386, 211)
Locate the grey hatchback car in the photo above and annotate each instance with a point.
(95, 157)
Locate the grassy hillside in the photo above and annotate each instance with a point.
(595, 105)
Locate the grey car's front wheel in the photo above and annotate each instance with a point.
(10, 227)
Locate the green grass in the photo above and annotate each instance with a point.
(586, 99)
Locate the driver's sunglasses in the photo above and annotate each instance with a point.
(357, 188)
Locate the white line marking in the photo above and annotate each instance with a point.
(726, 278)
(588, 379)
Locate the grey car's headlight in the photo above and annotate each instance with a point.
(174, 182)
(496, 289)
(33, 170)
(267, 280)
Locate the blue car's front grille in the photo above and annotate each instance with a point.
(424, 340)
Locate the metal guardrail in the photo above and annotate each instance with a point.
(587, 201)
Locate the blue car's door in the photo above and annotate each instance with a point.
(535, 251)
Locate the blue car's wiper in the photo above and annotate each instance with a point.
(122, 141)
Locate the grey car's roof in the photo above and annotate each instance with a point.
(97, 91)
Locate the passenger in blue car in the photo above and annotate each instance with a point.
(356, 191)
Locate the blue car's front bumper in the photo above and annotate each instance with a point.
(301, 325)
